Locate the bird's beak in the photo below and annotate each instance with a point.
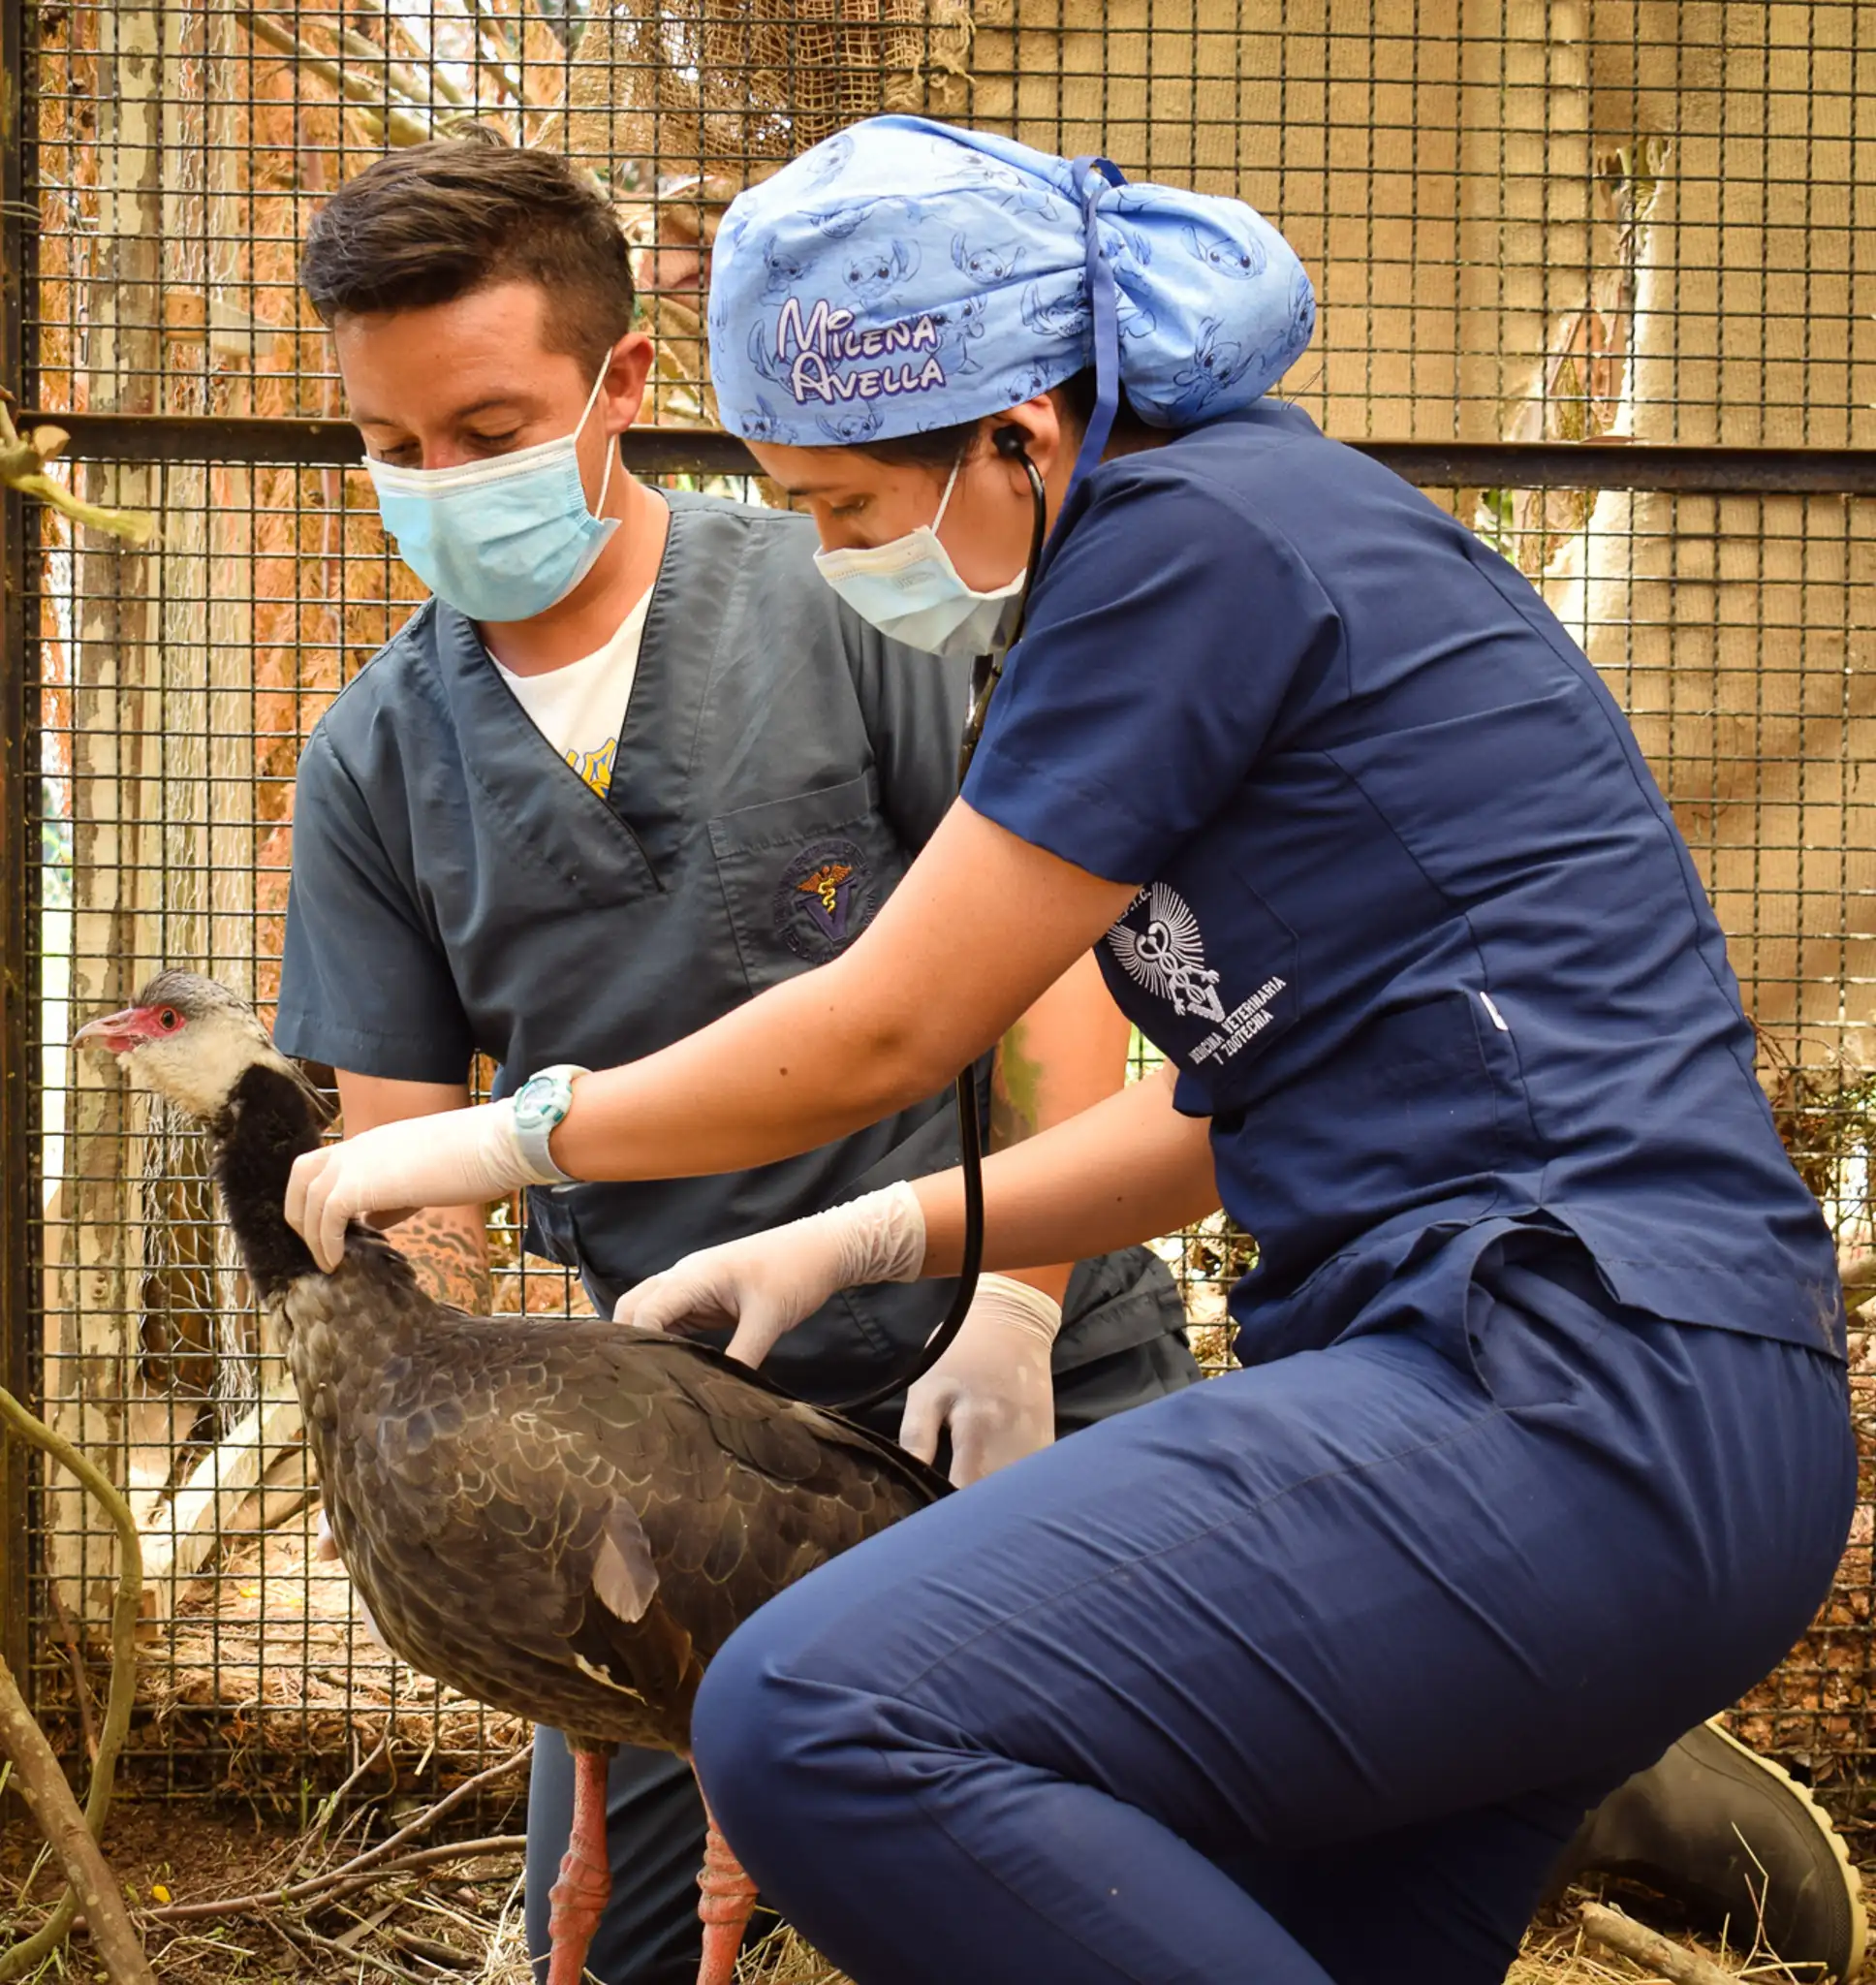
(117, 1033)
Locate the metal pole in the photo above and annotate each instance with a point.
(664, 450)
(19, 894)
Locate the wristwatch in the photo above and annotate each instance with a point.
(541, 1105)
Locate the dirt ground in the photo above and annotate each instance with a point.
(187, 1851)
(459, 1919)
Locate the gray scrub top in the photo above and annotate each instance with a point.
(458, 888)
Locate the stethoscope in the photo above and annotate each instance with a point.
(1092, 175)
(985, 674)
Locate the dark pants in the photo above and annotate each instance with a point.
(1305, 1675)
(654, 1817)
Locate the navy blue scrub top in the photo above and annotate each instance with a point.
(1414, 924)
(458, 888)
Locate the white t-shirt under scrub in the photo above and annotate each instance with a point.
(579, 707)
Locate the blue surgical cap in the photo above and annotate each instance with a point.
(904, 275)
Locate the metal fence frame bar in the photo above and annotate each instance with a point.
(669, 451)
(18, 898)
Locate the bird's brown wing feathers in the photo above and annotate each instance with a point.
(740, 1490)
(509, 1492)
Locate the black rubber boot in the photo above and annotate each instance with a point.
(1734, 1840)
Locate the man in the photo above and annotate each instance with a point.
(633, 764)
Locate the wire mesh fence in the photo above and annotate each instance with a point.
(1615, 228)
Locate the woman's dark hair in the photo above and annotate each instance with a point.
(938, 449)
(434, 222)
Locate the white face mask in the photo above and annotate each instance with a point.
(503, 539)
(911, 590)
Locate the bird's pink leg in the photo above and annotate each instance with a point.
(727, 1902)
(578, 1899)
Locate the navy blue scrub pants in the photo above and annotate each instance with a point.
(654, 1818)
(1305, 1675)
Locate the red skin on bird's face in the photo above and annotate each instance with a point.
(117, 1033)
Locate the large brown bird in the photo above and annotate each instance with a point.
(565, 1520)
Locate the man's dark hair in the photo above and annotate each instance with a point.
(434, 222)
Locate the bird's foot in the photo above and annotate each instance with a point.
(727, 1902)
(578, 1899)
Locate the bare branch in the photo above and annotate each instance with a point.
(1650, 1949)
(377, 1860)
(399, 126)
(491, 29)
(397, 76)
(22, 467)
(338, 1883)
(481, 24)
(42, 1785)
(85, 1876)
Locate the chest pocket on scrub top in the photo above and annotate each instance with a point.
(1207, 971)
(803, 877)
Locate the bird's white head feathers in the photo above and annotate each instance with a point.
(190, 1040)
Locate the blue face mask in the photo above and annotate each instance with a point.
(501, 540)
(911, 590)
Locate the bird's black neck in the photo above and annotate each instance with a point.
(268, 1122)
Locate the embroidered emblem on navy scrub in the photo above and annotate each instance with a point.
(823, 899)
(1168, 956)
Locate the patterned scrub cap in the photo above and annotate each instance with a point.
(904, 275)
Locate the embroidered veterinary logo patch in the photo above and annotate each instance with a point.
(1167, 954)
(823, 899)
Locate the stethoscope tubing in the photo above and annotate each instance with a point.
(986, 672)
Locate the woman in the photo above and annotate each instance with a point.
(1542, 1451)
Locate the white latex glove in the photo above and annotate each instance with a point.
(992, 1387)
(768, 1282)
(456, 1157)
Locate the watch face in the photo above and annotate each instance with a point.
(536, 1103)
